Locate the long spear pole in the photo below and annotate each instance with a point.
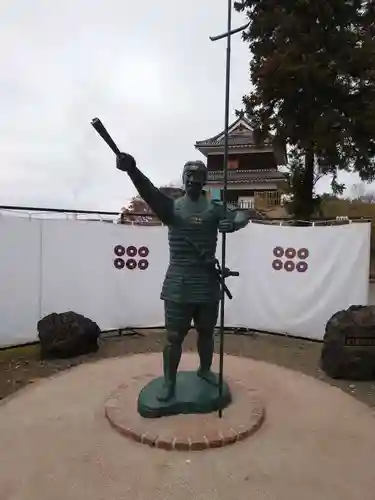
(228, 36)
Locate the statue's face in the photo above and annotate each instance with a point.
(194, 180)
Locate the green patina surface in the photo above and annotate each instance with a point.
(188, 279)
(193, 395)
(191, 291)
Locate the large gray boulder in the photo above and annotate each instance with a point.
(67, 334)
(349, 344)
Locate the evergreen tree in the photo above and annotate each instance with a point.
(313, 76)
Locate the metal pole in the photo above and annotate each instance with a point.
(225, 188)
(226, 35)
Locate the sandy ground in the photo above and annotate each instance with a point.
(55, 442)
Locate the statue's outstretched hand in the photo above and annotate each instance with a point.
(125, 162)
(226, 226)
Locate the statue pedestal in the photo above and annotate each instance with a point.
(184, 432)
(193, 395)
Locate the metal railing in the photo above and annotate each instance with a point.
(246, 204)
(258, 174)
(267, 199)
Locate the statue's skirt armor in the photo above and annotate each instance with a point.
(190, 284)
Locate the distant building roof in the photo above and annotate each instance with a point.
(242, 135)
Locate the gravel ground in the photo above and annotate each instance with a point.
(22, 366)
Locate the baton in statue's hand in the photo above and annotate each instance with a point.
(124, 161)
(102, 131)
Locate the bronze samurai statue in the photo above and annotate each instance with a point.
(191, 291)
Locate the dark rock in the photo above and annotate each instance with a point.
(349, 344)
(67, 335)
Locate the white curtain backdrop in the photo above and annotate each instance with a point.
(78, 272)
(20, 270)
(292, 279)
(297, 303)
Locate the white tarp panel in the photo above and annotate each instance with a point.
(19, 279)
(79, 272)
(323, 269)
(292, 279)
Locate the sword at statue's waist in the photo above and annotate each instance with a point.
(213, 266)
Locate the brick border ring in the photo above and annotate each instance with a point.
(240, 420)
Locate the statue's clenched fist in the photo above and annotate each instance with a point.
(125, 162)
(226, 226)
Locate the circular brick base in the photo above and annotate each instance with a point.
(185, 432)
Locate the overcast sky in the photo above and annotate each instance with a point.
(147, 69)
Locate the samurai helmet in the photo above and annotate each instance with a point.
(192, 167)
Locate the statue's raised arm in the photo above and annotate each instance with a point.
(160, 204)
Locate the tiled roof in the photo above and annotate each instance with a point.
(240, 135)
(246, 175)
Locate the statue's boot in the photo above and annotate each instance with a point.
(209, 376)
(206, 352)
(171, 359)
(167, 392)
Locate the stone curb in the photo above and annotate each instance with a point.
(217, 439)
